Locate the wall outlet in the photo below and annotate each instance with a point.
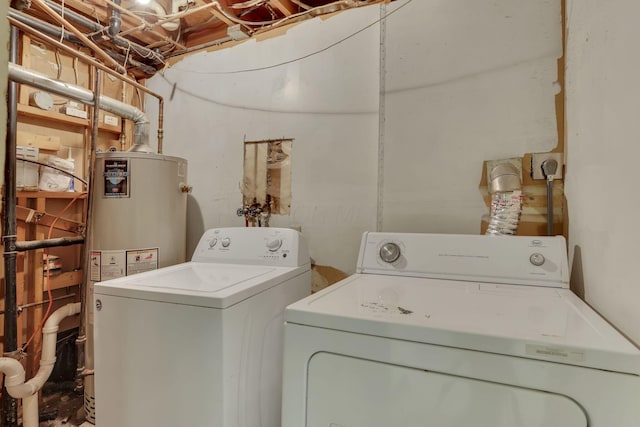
(536, 164)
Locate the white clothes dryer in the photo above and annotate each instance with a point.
(200, 343)
(456, 331)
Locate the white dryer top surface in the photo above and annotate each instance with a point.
(526, 321)
(199, 283)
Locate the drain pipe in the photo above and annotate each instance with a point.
(32, 78)
(15, 374)
(114, 21)
(46, 28)
(96, 27)
(9, 229)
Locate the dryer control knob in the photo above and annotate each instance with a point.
(537, 259)
(226, 242)
(274, 245)
(390, 252)
(213, 242)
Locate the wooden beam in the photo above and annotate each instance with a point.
(216, 12)
(206, 35)
(285, 6)
(96, 49)
(31, 216)
(102, 15)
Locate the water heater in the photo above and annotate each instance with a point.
(139, 217)
(138, 223)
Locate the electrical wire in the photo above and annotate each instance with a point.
(280, 64)
(228, 105)
(56, 168)
(48, 270)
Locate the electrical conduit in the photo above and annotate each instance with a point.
(15, 374)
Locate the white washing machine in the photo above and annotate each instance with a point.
(456, 331)
(200, 343)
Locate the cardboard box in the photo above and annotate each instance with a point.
(324, 275)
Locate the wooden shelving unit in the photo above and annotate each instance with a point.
(62, 119)
(31, 279)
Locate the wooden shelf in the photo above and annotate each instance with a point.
(48, 194)
(64, 280)
(62, 119)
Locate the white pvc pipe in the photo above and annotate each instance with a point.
(14, 371)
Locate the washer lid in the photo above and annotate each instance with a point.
(526, 321)
(201, 284)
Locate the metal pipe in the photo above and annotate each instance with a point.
(97, 27)
(48, 243)
(96, 49)
(9, 405)
(549, 169)
(115, 21)
(32, 78)
(86, 250)
(160, 124)
(24, 22)
(37, 303)
(145, 23)
(549, 207)
(100, 66)
(38, 28)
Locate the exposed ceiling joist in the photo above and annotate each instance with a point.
(148, 36)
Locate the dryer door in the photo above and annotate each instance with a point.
(349, 392)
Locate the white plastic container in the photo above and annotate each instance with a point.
(26, 173)
(55, 180)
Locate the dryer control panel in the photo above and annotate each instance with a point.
(524, 260)
(255, 245)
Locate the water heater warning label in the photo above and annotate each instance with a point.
(141, 260)
(116, 178)
(106, 265)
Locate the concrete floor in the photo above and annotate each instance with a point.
(63, 409)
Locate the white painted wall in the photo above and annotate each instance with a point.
(465, 82)
(328, 103)
(603, 103)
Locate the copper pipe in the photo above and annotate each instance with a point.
(80, 55)
(89, 60)
(160, 123)
(60, 20)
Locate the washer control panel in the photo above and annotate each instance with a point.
(255, 245)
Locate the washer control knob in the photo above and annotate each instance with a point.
(390, 252)
(213, 242)
(226, 242)
(274, 245)
(537, 259)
